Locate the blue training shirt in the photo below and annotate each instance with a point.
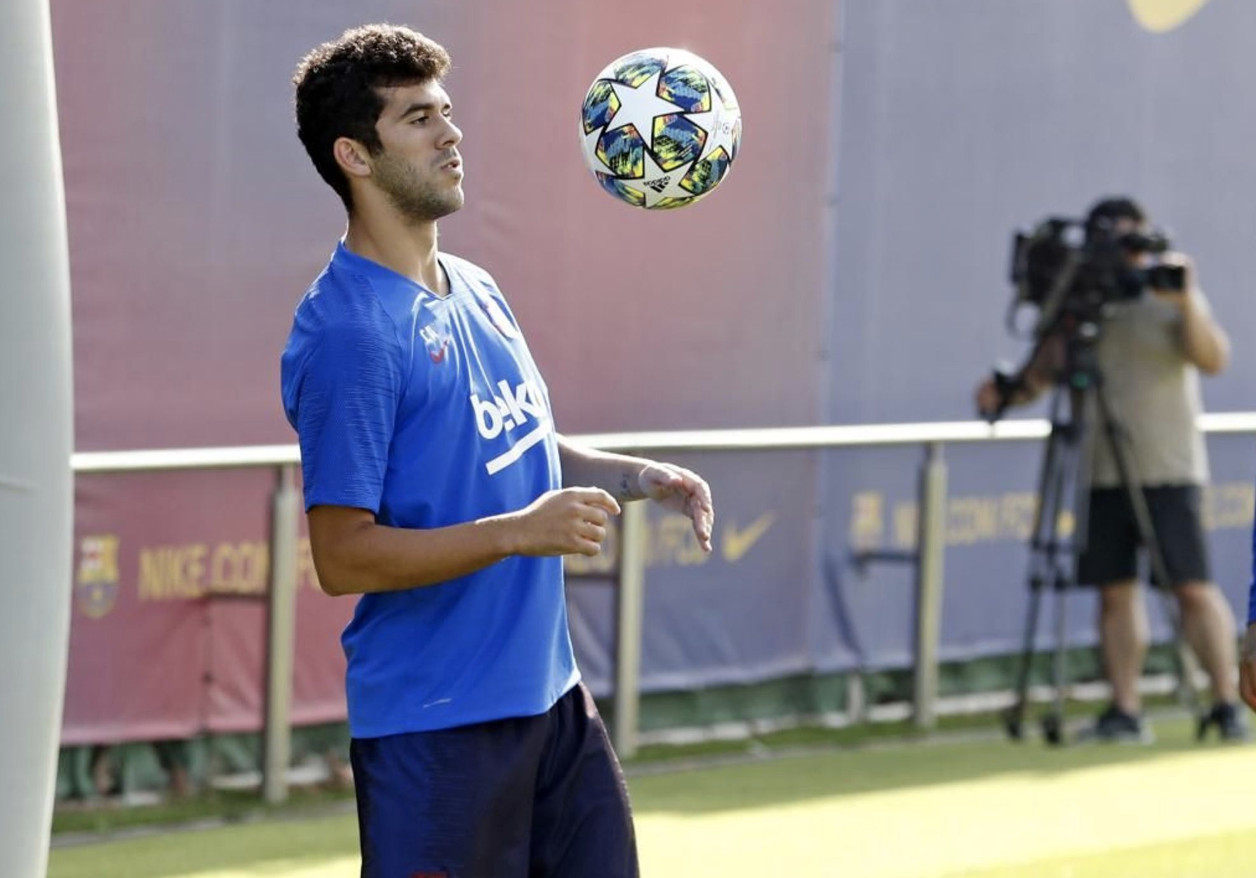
(430, 412)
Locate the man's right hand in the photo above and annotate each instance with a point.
(566, 522)
(988, 400)
(1247, 667)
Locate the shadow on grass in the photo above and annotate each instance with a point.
(783, 778)
(257, 849)
(73, 818)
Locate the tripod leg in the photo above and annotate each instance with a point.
(1043, 543)
(1014, 716)
(1053, 722)
(1061, 574)
(1183, 660)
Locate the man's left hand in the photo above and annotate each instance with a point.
(683, 491)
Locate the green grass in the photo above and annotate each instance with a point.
(1215, 856)
(955, 809)
(280, 848)
(984, 808)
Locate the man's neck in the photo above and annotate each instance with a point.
(409, 250)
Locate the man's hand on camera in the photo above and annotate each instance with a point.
(1182, 261)
(1247, 667)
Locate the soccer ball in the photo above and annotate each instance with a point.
(660, 128)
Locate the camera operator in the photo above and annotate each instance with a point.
(1150, 350)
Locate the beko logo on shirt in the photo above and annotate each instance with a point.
(514, 408)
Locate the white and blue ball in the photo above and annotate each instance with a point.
(660, 128)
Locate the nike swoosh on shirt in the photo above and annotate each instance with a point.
(439, 356)
(736, 543)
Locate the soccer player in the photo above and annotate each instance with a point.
(434, 489)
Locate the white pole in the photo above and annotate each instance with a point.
(930, 567)
(281, 627)
(36, 430)
(630, 610)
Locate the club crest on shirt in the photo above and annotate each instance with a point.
(497, 315)
(436, 344)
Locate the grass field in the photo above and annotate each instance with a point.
(987, 809)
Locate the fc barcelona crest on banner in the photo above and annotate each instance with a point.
(96, 587)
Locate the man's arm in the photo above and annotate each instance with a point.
(355, 555)
(636, 478)
(1204, 343)
(1034, 378)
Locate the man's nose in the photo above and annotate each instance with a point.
(452, 135)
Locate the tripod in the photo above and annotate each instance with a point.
(1052, 562)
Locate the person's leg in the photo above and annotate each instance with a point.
(1110, 561)
(104, 777)
(1123, 639)
(1209, 628)
(1208, 624)
(582, 824)
(339, 775)
(455, 803)
(172, 757)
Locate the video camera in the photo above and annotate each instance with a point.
(1070, 272)
(1065, 269)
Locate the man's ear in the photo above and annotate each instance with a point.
(352, 157)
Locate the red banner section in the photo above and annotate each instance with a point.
(168, 635)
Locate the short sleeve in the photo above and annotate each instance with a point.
(343, 399)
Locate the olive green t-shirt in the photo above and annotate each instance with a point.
(1154, 394)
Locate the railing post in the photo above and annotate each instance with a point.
(280, 637)
(630, 600)
(931, 549)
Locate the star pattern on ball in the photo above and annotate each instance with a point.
(638, 106)
(670, 180)
(719, 125)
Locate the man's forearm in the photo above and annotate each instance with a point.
(1203, 342)
(1039, 374)
(376, 558)
(617, 474)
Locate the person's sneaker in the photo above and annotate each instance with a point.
(1229, 720)
(1115, 726)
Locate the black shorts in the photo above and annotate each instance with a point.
(1113, 542)
(533, 797)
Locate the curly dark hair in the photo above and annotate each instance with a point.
(1113, 208)
(338, 89)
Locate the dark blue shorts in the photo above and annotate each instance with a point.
(533, 797)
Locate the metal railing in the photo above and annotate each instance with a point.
(929, 555)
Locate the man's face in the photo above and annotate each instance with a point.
(1126, 226)
(419, 168)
